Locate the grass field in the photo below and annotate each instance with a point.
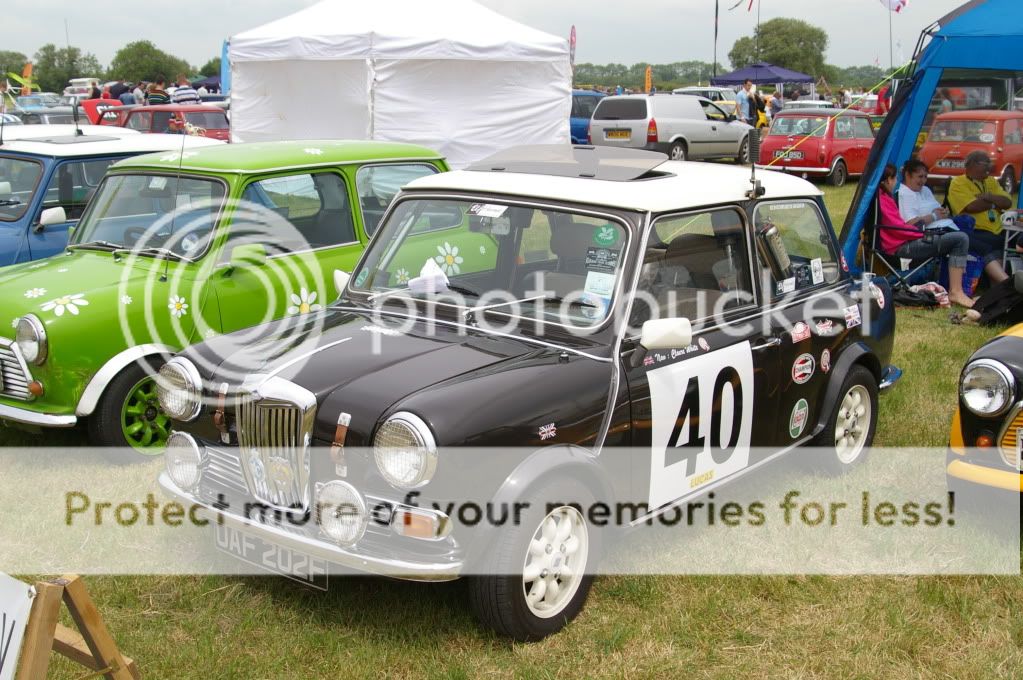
(633, 627)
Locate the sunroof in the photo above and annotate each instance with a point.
(565, 160)
(72, 139)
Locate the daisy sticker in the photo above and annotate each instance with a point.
(125, 299)
(449, 258)
(62, 270)
(35, 292)
(68, 303)
(178, 307)
(303, 303)
(314, 152)
(14, 323)
(401, 276)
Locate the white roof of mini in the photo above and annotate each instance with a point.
(686, 184)
(62, 130)
(89, 145)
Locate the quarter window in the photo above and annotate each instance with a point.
(315, 205)
(695, 266)
(795, 246)
(73, 184)
(862, 128)
(378, 184)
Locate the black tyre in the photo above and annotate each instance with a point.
(850, 428)
(839, 174)
(743, 157)
(128, 417)
(1008, 180)
(536, 577)
(678, 151)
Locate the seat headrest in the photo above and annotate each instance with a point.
(687, 244)
(571, 239)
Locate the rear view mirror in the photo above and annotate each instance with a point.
(248, 255)
(52, 216)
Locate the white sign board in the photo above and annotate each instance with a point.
(15, 605)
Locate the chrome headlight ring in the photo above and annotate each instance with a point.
(31, 339)
(1000, 384)
(405, 451)
(176, 376)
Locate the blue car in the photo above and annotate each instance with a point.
(46, 182)
(583, 104)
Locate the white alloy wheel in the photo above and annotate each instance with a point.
(555, 562)
(852, 424)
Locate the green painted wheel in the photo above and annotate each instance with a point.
(143, 424)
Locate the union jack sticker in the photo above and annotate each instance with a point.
(548, 431)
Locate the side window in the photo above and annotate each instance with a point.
(378, 184)
(140, 121)
(713, 112)
(695, 266)
(1012, 132)
(160, 121)
(73, 184)
(862, 128)
(843, 128)
(795, 245)
(315, 205)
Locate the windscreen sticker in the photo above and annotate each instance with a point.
(786, 286)
(605, 236)
(817, 271)
(600, 283)
(594, 306)
(487, 209)
(602, 260)
(785, 206)
(157, 183)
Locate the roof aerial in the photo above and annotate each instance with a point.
(560, 160)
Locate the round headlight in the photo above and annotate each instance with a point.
(341, 512)
(31, 338)
(987, 387)
(179, 389)
(405, 451)
(183, 460)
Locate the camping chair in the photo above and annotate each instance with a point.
(890, 263)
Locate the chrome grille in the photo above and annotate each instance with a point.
(15, 376)
(273, 444)
(1008, 442)
(224, 469)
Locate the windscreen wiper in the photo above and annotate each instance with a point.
(9, 201)
(97, 245)
(164, 252)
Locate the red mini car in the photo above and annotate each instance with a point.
(818, 143)
(954, 135)
(155, 118)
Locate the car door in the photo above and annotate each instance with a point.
(699, 409)
(71, 185)
(843, 142)
(800, 264)
(721, 138)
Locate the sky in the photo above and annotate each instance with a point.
(653, 31)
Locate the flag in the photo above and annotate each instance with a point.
(736, 5)
(649, 78)
(571, 47)
(895, 5)
(750, 8)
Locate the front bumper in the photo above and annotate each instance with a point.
(347, 558)
(959, 470)
(27, 417)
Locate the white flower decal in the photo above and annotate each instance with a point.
(303, 303)
(313, 152)
(125, 299)
(37, 265)
(35, 292)
(67, 303)
(14, 323)
(448, 258)
(62, 270)
(178, 307)
(173, 157)
(401, 276)
(210, 332)
(483, 250)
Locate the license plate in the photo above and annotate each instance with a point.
(789, 155)
(618, 134)
(951, 163)
(298, 566)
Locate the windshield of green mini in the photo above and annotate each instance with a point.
(19, 180)
(139, 212)
(553, 265)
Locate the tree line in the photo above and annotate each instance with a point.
(53, 67)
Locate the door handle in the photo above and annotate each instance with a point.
(770, 342)
(714, 128)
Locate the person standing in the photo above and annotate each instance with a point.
(139, 93)
(742, 102)
(185, 93)
(118, 88)
(975, 193)
(156, 94)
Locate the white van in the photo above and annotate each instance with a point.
(682, 126)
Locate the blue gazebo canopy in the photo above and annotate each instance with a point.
(762, 73)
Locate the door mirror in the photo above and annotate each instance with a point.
(662, 334)
(248, 255)
(729, 118)
(52, 216)
(341, 280)
(1017, 281)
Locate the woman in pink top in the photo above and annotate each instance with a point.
(905, 240)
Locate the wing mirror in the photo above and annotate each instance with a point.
(50, 217)
(662, 334)
(248, 256)
(1017, 281)
(341, 280)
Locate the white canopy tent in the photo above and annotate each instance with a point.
(450, 75)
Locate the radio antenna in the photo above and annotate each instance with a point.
(757, 189)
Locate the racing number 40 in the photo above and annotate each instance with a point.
(722, 443)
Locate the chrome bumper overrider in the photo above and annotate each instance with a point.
(21, 415)
(403, 569)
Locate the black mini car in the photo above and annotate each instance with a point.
(551, 306)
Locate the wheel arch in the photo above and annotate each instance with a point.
(117, 363)
(857, 354)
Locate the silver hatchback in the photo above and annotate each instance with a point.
(683, 126)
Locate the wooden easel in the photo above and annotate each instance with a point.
(90, 646)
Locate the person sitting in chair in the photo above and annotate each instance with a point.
(974, 193)
(905, 240)
(917, 204)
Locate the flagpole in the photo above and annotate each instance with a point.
(714, 66)
(891, 50)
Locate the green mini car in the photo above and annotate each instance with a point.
(178, 247)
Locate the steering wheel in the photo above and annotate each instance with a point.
(133, 235)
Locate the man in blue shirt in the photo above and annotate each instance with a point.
(742, 103)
